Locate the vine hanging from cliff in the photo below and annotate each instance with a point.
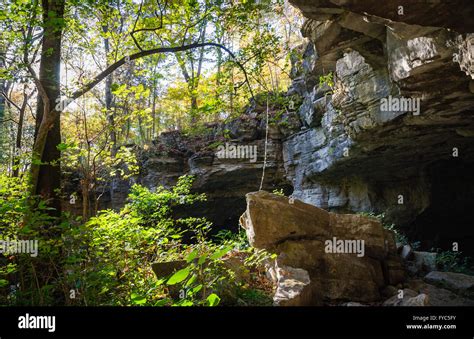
(265, 151)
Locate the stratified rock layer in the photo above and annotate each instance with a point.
(353, 153)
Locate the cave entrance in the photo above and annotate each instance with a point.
(449, 217)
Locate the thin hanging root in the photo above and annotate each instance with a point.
(265, 153)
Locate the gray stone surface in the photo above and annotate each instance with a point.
(458, 282)
(406, 252)
(439, 296)
(425, 261)
(293, 287)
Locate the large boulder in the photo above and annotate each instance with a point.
(347, 257)
(300, 220)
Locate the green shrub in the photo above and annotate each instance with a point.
(327, 79)
(399, 236)
(454, 262)
(114, 250)
(239, 239)
(27, 279)
(279, 192)
(107, 261)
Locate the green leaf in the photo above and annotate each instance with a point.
(178, 276)
(191, 256)
(162, 302)
(159, 282)
(62, 146)
(196, 289)
(213, 300)
(202, 259)
(185, 303)
(221, 253)
(3, 282)
(137, 299)
(191, 280)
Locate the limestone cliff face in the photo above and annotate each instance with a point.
(357, 154)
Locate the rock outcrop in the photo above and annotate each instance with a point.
(346, 257)
(358, 152)
(390, 129)
(226, 177)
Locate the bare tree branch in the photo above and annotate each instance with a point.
(101, 76)
(3, 94)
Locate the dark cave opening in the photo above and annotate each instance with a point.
(448, 219)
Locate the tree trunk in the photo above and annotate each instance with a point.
(153, 113)
(3, 89)
(110, 114)
(2, 83)
(46, 178)
(85, 183)
(19, 135)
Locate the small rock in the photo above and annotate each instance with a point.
(396, 301)
(419, 300)
(293, 287)
(406, 252)
(236, 265)
(438, 296)
(270, 271)
(457, 282)
(165, 269)
(443, 297)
